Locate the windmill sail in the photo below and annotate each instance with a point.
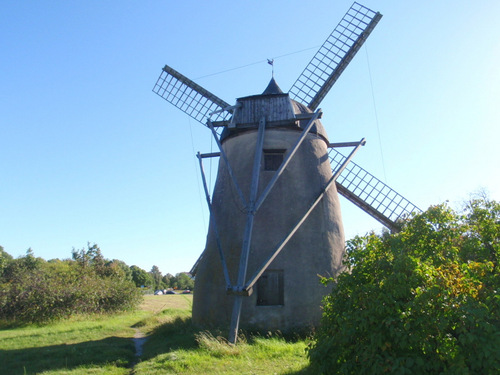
(370, 194)
(334, 55)
(190, 97)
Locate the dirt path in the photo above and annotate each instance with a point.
(139, 340)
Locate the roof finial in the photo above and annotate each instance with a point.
(271, 62)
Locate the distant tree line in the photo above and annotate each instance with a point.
(35, 290)
(156, 281)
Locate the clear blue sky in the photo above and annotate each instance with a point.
(89, 153)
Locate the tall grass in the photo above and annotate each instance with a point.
(104, 345)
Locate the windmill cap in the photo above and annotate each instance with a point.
(278, 109)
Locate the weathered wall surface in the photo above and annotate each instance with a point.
(316, 249)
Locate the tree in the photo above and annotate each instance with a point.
(30, 261)
(157, 278)
(119, 264)
(424, 300)
(92, 257)
(168, 280)
(183, 281)
(5, 259)
(140, 277)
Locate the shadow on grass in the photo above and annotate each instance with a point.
(117, 351)
(309, 370)
(179, 334)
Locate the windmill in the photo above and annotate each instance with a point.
(275, 219)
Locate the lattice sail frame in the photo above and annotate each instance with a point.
(190, 97)
(334, 55)
(370, 194)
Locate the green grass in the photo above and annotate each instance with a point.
(104, 345)
(207, 354)
(100, 345)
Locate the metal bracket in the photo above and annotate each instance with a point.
(346, 144)
(239, 291)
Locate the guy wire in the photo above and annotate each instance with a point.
(376, 114)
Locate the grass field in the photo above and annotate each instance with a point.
(168, 345)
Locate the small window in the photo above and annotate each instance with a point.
(270, 288)
(273, 159)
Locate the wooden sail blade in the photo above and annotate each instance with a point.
(190, 97)
(334, 55)
(370, 194)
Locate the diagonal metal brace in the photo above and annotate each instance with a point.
(287, 238)
(226, 160)
(287, 160)
(214, 224)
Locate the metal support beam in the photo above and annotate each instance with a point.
(306, 116)
(287, 238)
(283, 165)
(209, 155)
(247, 239)
(224, 157)
(344, 144)
(214, 224)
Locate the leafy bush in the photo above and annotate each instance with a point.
(424, 300)
(33, 290)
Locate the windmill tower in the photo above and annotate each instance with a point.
(275, 218)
